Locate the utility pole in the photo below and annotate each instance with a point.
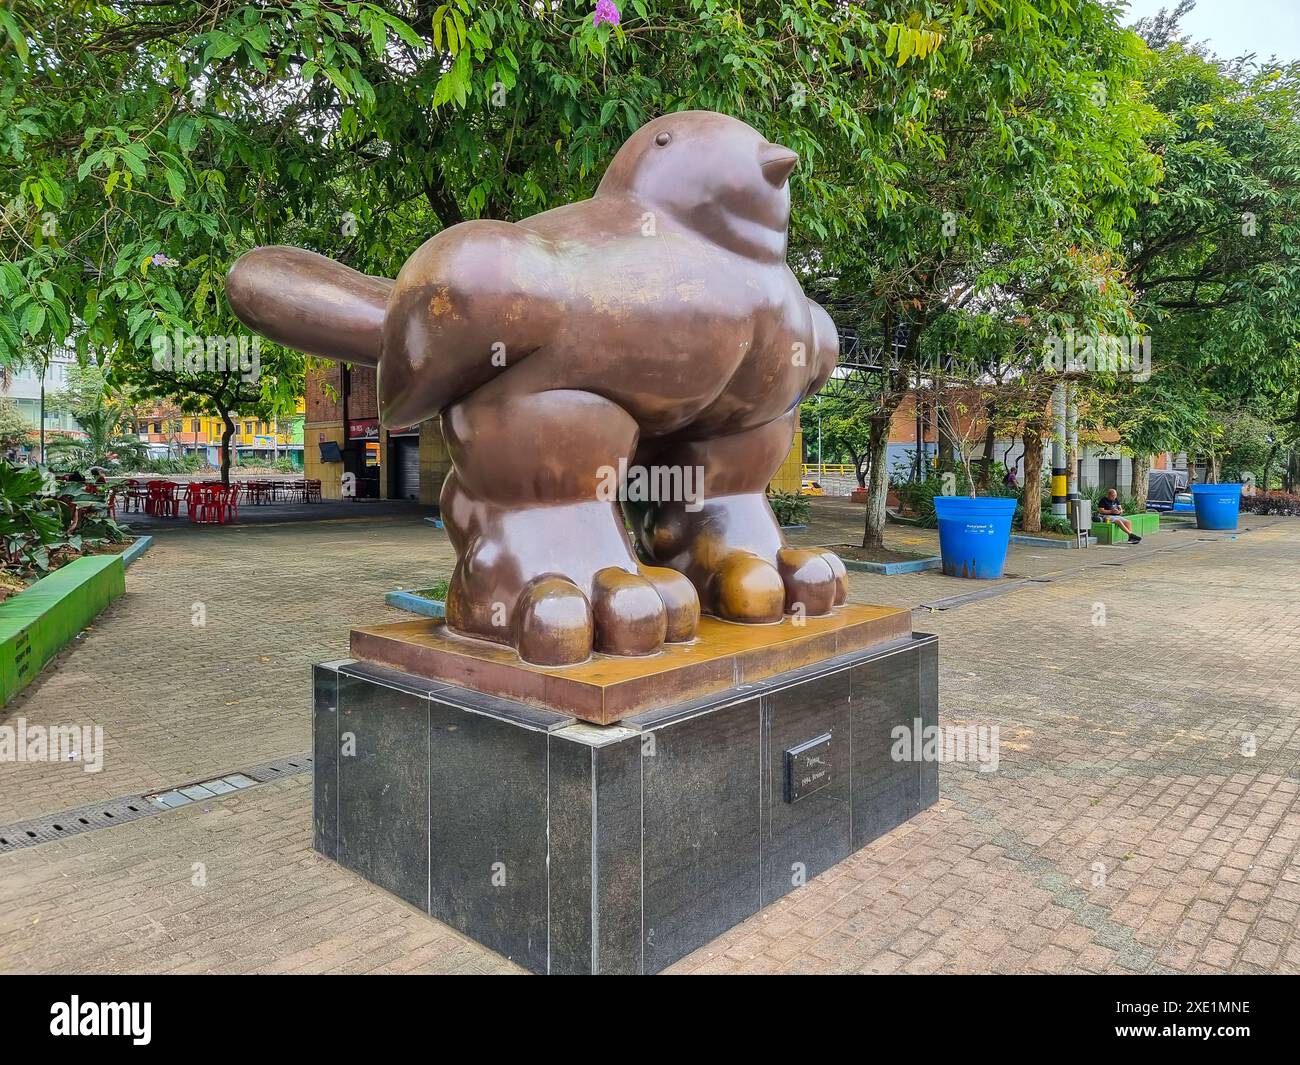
(821, 468)
(45, 368)
(1059, 485)
(1072, 454)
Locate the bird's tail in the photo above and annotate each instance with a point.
(310, 303)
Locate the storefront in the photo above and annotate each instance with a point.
(362, 457)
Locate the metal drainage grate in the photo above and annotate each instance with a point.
(280, 767)
(74, 822)
(217, 786)
(972, 597)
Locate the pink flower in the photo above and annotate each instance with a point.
(606, 11)
(163, 260)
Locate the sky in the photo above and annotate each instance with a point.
(1233, 27)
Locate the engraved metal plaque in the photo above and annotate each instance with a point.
(807, 767)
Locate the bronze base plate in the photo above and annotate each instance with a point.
(606, 688)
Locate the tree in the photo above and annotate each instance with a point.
(1215, 259)
(1166, 412)
(87, 397)
(987, 179)
(843, 415)
(147, 145)
(15, 431)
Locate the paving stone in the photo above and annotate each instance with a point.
(1124, 830)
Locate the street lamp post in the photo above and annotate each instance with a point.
(821, 467)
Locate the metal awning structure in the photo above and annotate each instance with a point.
(863, 355)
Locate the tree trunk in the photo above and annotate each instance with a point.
(1293, 469)
(986, 462)
(1141, 466)
(945, 446)
(1268, 468)
(878, 481)
(860, 460)
(226, 434)
(1032, 494)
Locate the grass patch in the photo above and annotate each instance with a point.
(437, 590)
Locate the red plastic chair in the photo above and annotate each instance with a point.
(132, 495)
(195, 495)
(158, 499)
(227, 503)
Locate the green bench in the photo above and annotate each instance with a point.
(1143, 524)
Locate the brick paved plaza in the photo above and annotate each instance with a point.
(1128, 827)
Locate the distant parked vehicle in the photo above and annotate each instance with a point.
(1163, 487)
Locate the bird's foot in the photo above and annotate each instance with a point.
(803, 582)
(559, 618)
(555, 623)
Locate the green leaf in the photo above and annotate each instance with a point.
(15, 34)
(89, 164)
(221, 45)
(176, 183)
(33, 319)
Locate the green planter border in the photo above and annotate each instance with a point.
(38, 623)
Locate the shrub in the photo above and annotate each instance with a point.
(917, 497)
(790, 508)
(191, 463)
(1054, 522)
(45, 522)
(1284, 503)
(283, 464)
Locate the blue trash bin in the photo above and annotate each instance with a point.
(1217, 505)
(973, 534)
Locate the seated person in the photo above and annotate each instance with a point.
(1109, 509)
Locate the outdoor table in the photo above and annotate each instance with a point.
(212, 503)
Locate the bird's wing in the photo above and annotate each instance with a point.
(310, 303)
(468, 305)
(827, 338)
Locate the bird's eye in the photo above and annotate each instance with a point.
(663, 138)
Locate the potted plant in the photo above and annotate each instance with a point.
(1217, 505)
(974, 531)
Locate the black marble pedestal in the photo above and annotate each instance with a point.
(577, 848)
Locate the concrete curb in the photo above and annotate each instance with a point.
(891, 568)
(138, 548)
(417, 604)
(1048, 541)
(36, 624)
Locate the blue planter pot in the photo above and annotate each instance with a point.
(973, 534)
(1217, 505)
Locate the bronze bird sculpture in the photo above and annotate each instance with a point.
(655, 326)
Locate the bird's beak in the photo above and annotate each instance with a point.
(776, 162)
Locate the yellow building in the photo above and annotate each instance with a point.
(789, 478)
(202, 432)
